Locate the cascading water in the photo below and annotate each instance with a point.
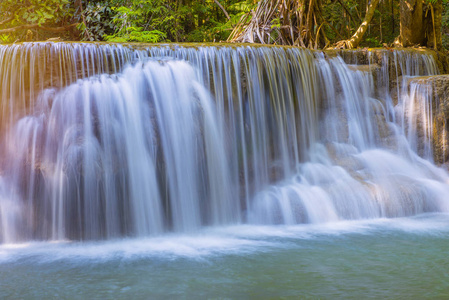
(125, 155)
(104, 141)
(361, 167)
(415, 114)
(423, 110)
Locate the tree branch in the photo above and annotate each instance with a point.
(36, 26)
(223, 9)
(346, 8)
(6, 21)
(356, 38)
(80, 3)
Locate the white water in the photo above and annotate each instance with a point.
(381, 258)
(214, 242)
(95, 157)
(207, 137)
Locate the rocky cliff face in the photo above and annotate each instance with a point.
(435, 90)
(430, 94)
(440, 86)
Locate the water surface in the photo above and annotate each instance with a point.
(403, 258)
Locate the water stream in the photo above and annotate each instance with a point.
(248, 154)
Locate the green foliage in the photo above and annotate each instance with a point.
(186, 20)
(34, 11)
(161, 20)
(276, 23)
(98, 21)
(445, 25)
(15, 13)
(342, 22)
(133, 34)
(372, 42)
(138, 21)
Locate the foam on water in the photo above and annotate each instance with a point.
(238, 240)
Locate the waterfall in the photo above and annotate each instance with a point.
(106, 141)
(362, 166)
(415, 114)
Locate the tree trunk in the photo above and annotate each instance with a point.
(223, 9)
(420, 24)
(283, 22)
(356, 38)
(36, 26)
(411, 26)
(433, 25)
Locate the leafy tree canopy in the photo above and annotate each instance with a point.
(20, 19)
(310, 23)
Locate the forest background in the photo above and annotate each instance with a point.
(308, 23)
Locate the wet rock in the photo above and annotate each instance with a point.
(439, 94)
